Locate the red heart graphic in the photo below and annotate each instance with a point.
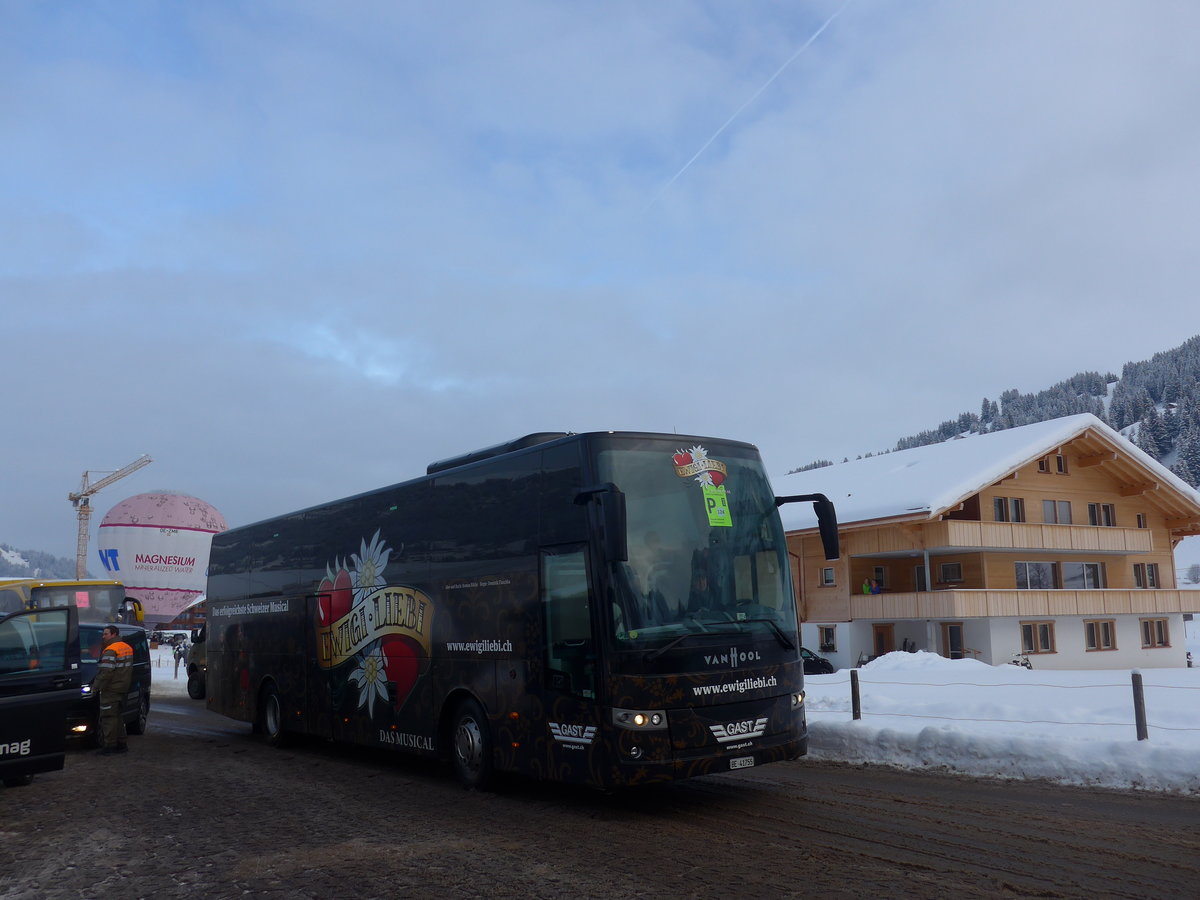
(682, 459)
(335, 598)
(717, 477)
(402, 664)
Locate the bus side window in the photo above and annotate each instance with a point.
(570, 649)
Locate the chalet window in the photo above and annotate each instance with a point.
(881, 576)
(1145, 575)
(1008, 509)
(1100, 634)
(1155, 633)
(1037, 576)
(950, 572)
(827, 635)
(1059, 465)
(1141, 520)
(1102, 514)
(1056, 512)
(1083, 576)
(827, 579)
(1037, 637)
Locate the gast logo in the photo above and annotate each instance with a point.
(573, 735)
(736, 731)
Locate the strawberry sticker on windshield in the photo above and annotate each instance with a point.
(695, 463)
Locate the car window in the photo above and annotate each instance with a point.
(137, 640)
(90, 642)
(35, 642)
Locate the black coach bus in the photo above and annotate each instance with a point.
(607, 608)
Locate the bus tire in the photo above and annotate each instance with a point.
(471, 746)
(270, 716)
(195, 686)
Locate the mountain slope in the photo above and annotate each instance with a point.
(1156, 403)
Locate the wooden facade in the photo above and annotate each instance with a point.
(1085, 529)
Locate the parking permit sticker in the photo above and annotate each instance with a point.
(716, 504)
(709, 473)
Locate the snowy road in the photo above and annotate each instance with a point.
(201, 806)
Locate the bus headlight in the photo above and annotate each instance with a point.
(85, 690)
(797, 699)
(640, 719)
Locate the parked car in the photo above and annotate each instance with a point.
(84, 718)
(815, 665)
(39, 680)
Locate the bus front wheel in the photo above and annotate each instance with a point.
(472, 746)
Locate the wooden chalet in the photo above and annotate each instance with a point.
(1054, 540)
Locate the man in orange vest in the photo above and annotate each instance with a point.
(113, 677)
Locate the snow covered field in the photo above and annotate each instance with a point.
(920, 710)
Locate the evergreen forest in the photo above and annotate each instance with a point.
(1155, 403)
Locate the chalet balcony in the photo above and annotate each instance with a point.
(965, 535)
(965, 604)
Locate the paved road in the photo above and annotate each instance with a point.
(200, 805)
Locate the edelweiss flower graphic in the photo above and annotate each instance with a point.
(699, 454)
(368, 568)
(371, 679)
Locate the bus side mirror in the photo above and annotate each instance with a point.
(826, 520)
(612, 517)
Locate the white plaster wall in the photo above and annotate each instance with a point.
(999, 638)
(1071, 652)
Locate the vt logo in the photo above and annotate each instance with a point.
(109, 558)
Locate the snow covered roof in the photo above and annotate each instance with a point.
(926, 481)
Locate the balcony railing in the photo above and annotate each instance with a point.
(962, 533)
(965, 604)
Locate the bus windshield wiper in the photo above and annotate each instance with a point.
(674, 642)
(780, 634)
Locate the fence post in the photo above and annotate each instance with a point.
(1139, 707)
(855, 698)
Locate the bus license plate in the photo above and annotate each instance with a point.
(741, 762)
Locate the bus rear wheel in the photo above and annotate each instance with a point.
(270, 716)
(471, 746)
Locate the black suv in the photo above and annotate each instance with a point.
(813, 664)
(84, 718)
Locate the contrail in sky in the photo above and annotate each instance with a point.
(816, 34)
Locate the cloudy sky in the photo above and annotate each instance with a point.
(296, 250)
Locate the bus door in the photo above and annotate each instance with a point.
(572, 663)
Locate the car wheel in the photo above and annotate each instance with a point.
(195, 686)
(138, 725)
(471, 746)
(270, 716)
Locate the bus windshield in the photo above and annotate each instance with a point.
(96, 603)
(706, 548)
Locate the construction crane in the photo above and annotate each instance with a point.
(83, 509)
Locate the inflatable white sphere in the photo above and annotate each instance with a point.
(157, 544)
